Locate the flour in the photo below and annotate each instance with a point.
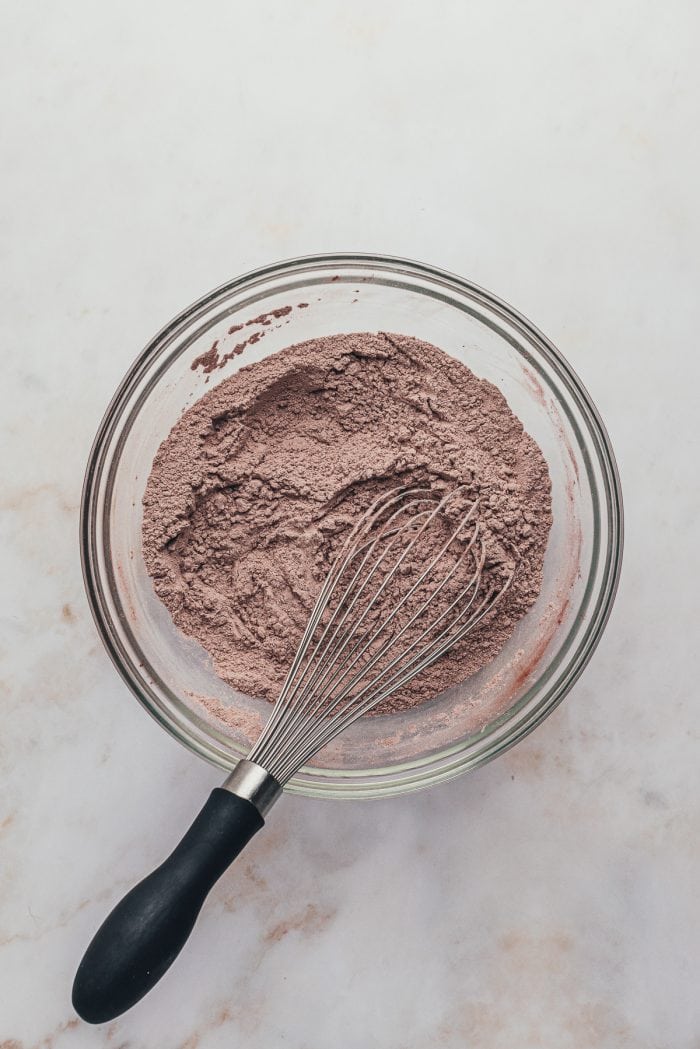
(259, 482)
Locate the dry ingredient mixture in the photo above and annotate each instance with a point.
(257, 485)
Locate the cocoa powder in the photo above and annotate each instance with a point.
(259, 482)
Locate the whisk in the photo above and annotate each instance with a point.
(408, 584)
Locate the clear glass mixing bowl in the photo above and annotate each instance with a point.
(470, 723)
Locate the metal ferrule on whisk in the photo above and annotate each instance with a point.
(253, 783)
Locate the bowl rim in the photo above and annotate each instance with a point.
(338, 783)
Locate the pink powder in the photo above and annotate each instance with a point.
(259, 482)
(214, 358)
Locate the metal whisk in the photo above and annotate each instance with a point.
(346, 664)
(409, 583)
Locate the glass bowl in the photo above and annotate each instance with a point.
(173, 677)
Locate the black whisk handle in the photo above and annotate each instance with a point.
(146, 931)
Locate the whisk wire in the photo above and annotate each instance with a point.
(337, 723)
(345, 557)
(348, 600)
(310, 701)
(334, 726)
(332, 680)
(365, 642)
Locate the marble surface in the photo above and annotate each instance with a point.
(549, 151)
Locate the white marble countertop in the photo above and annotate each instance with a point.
(548, 151)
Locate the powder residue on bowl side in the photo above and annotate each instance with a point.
(259, 482)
